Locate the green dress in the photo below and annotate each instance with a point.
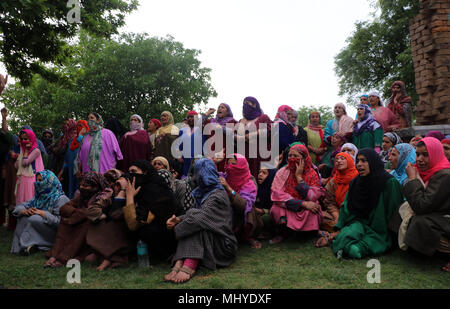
(369, 139)
(368, 237)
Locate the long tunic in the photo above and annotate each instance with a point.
(69, 162)
(35, 230)
(315, 141)
(108, 157)
(368, 236)
(206, 233)
(134, 147)
(369, 139)
(385, 117)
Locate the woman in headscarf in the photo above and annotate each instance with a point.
(299, 133)
(263, 202)
(165, 136)
(335, 192)
(429, 200)
(341, 123)
(316, 144)
(385, 117)
(150, 203)
(372, 198)
(399, 157)
(401, 104)
(160, 163)
(69, 132)
(296, 190)
(351, 149)
(204, 233)
(436, 134)
(100, 150)
(70, 164)
(446, 145)
(368, 133)
(249, 132)
(47, 140)
(116, 127)
(241, 189)
(135, 144)
(38, 218)
(285, 130)
(71, 240)
(153, 126)
(327, 162)
(390, 139)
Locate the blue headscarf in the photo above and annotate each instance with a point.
(207, 179)
(46, 192)
(407, 154)
(368, 123)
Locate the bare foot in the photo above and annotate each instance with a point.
(50, 262)
(446, 267)
(91, 258)
(105, 264)
(184, 275)
(174, 272)
(255, 244)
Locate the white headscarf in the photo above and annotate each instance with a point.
(352, 147)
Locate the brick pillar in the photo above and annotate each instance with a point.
(430, 45)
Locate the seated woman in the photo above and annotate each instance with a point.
(390, 139)
(70, 242)
(150, 202)
(373, 197)
(429, 227)
(336, 190)
(399, 157)
(327, 162)
(368, 133)
(38, 218)
(241, 189)
(351, 149)
(263, 202)
(160, 163)
(446, 145)
(296, 190)
(205, 232)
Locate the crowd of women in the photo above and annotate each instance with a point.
(353, 184)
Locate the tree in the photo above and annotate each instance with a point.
(379, 52)
(326, 114)
(35, 34)
(133, 74)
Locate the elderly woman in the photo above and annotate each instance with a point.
(382, 114)
(135, 144)
(399, 157)
(165, 136)
(351, 149)
(296, 190)
(401, 104)
(100, 150)
(372, 198)
(368, 133)
(428, 196)
(241, 189)
(160, 163)
(205, 232)
(341, 123)
(390, 139)
(38, 218)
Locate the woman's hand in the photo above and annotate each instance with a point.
(311, 206)
(299, 170)
(225, 185)
(39, 212)
(131, 190)
(172, 222)
(219, 157)
(26, 212)
(411, 171)
(82, 132)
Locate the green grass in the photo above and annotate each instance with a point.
(294, 264)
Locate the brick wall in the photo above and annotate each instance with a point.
(430, 44)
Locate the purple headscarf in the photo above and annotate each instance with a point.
(368, 123)
(249, 112)
(224, 120)
(436, 134)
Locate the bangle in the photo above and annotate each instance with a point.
(233, 192)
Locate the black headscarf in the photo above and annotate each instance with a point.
(364, 192)
(263, 199)
(116, 127)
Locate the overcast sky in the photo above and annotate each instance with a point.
(281, 52)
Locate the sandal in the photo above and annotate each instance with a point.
(187, 270)
(169, 277)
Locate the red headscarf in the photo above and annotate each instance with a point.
(157, 123)
(238, 174)
(192, 113)
(80, 125)
(438, 160)
(281, 114)
(446, 141)
(310, 176)
(343, 178)
(32, 138)
(69, 130)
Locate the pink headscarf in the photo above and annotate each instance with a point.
(32, 138)
(438, 160)
(281, 114)
(238, 175)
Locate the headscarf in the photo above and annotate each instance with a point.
(368, 123)
(364, 192)
(336, 123)
(353, 147)
(377, 94)
(265, 190)
(46, 192)
(47, 141)
(436, 134)
(39, 143)
(94, 179)
(116, 127)
(438, 160)
(194, 113)
(446, 141)
(364, 95)
(169, 128)
(395, 139)
(167, 178)
(157, 123)
(238, 174)
(318, 128)
(225, 119)
(207, 179)
(80, 125)
(163, 161)
(343, 178)
(281, 115)
(402, 89)
(112, 175)
(250, 112)
(140, 126)
(407, 154)
(69, 131)
(96, 144)
(31, 137)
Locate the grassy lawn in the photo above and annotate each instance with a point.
(294, 264)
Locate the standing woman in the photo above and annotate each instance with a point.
(299, 132)
(253, 119)
(153, 126)
(316, 143)
(341, 123)
(69, 132)
(382, 114)
(285, 129)
(401, 104)
(368, 133)
(165, 136)
(100, 150)
(135, 144)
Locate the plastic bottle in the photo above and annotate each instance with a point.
(142, 253)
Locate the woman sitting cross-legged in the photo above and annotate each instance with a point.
(296, 190)
(373, 197)
(205, 232)
(38, 218)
